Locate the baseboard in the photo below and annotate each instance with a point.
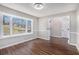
(16, 43)
(58, 36)
(43, 38)
(74, 45)
(77, 47)
(71, 43)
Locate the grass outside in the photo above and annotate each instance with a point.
(18, 30)
(6, 29)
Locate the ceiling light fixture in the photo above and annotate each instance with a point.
(38, 6)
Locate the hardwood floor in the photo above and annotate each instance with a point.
(39, 47)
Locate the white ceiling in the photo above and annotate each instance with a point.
(49, 9)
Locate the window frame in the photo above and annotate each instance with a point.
(11, 34)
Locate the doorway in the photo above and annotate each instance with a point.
(60, 27)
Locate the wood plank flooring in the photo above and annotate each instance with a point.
(38, 47)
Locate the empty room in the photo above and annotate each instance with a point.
(39, 29)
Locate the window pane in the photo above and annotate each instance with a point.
(29, 26)
(6, 25)
(19, 25)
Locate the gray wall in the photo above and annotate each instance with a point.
(44, 31)
(14, 40)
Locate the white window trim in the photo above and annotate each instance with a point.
(14, 35)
